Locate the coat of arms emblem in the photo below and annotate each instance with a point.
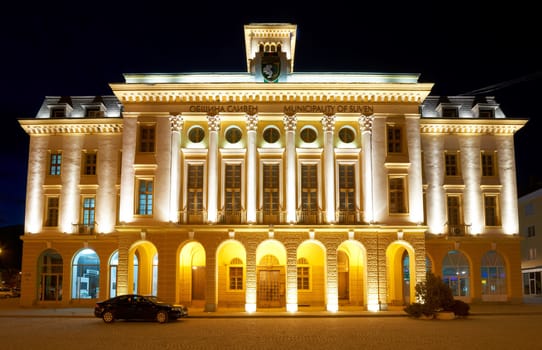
(270, 67)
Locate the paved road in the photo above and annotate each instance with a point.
(476, 332)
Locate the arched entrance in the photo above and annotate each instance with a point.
(50, 276)
(271, 275)
(351, 263)
(143, 279)
(191, 274)
(401, 273)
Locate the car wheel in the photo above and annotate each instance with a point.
(108, 317)
(162, 316)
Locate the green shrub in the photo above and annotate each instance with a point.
(434, 296)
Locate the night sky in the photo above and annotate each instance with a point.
(79, 48)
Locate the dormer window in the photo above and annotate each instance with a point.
(450, 112)
(486, 114)
(58, 112)
(93, 112)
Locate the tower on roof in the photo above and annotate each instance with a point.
(270, 49)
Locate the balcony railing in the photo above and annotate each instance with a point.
(458, 230)
(83, 229)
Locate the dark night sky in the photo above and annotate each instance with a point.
(78, 48)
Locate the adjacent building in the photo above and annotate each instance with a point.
(531, 260)
(270, 189)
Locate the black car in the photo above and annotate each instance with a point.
(138, 307)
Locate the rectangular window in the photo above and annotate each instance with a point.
(89, 163)
(89, 205)
(531, 231)
(451, 164)
(58, 113)
(93, 112)
(347, 187)
(236, 277)
(51, 219)
(397, 195)
(147, 138)
(394, 139)
(145, 194)
(54, 163)
(233, 188)
(309, 187)
(488, 164)
(491, 209)
(455, 225)
(195, 189)
(303, 278)
(486, 113)
(450, 112)
(271, 185)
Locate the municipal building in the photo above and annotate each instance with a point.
(270, 189)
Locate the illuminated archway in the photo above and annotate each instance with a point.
(351, 267)
(270, 274)
(191, 274)
(231, 273)
(401, 264)
(311, 274)
(85, 275)
(140, 262)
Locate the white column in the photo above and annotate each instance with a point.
(328, 124)
(415, 186)
(106, 194)
(212, 172)
(37, 168)
(252, 124)
(366, 127)
(290, 122)
(470, 168)
(433, 149)
(507, 175)
(127, 181)
(176, 124)
(70, 201)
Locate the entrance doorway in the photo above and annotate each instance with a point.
(270, 289)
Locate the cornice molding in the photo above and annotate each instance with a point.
(70, 126)
(471, 126)
(281, 93)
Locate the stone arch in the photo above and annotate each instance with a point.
(401, 273)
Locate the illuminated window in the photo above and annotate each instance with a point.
(147, 138)
(303, 277)
(456, 273)
(397, 196)
(347, 187)
(488, 164)
(454, 215)
(89, 207)
(145, 196)
(394, 139)
(195, 188)
(493, 272)
(491, 209)
(451, 161)
(309, 187)
(55, 163)
(233, 187)
(86, 275)
(236, 274)
(51, 219)
(271, 185)
(89, 163)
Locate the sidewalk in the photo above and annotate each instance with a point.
(11, 308)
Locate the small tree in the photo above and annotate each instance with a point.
(433, 296)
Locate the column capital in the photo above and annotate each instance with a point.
(366, 123)
(290, 122)
(176, 122)
(328, 122)
(214, 122)
(252, 122)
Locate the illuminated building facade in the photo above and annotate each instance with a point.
(531, 243)
(270, 189)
